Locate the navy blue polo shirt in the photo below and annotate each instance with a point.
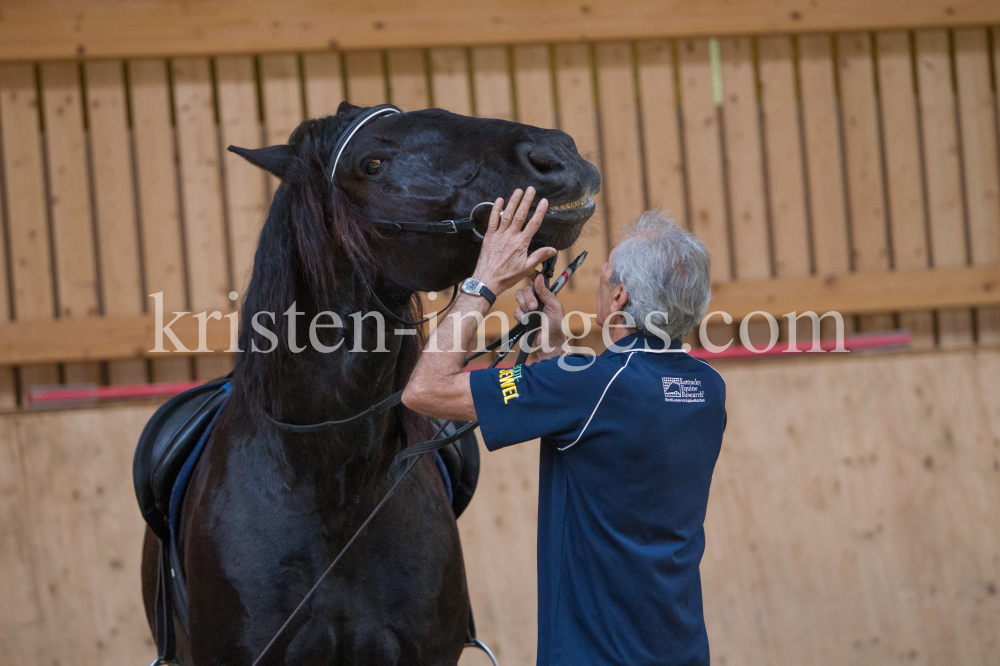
(629, 442)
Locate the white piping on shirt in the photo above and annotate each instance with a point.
(601, 399)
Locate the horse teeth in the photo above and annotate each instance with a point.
(579, 203)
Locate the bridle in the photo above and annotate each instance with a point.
(406, 459)
(441, 226)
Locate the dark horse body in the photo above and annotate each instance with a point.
(267, 511)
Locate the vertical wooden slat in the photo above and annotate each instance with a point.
(247, 198)
(904, 177)
(824, 165)
(491, 83)
(27, 216)
(744, 160)
(8, 392)
(783, 146)
(365, 78)
(745, 170)
(114, 203)
(533, 85)
(324, 83)
(941, 162)
(863, 160)
(201, 198)
(69, 202)
(979, 155)
(408, 87)
(661, 128)
(159, 205)
(282, 99)
(704, 154)
(616, 95)
(450, 83)
(578, 118)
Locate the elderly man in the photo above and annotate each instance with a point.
(629, 440)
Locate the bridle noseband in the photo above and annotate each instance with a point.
(441, 226)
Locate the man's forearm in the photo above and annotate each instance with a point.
(438, 386)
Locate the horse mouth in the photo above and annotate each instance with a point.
(564, 222)
(573, 205)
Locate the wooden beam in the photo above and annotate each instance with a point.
(55, 29)
(91, 338)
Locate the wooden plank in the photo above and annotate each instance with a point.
(366, 85)
(69, 202)
(247, 197)
(863, 162)
(46, 29)
(622, 174)
(114, 203)
(451, 86)
(24, 627)
(904, 176)
(976, 98)
(704, 155)
(324, 83)
(941, 164)
(491, 83)
(785, 169)
(875, 513)
(578, 118)
(744, 160)
(824, 161)
(408, 83)
(27, 217)
(157, 191)
(282, 100)
(91, 338)
(661, 119)
(201, 198)
(8, 386)
(533, 86)
(85, 533)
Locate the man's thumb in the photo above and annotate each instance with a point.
(541, 289)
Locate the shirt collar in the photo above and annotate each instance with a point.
(641, 342)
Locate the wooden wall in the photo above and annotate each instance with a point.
(801, 160)
(853, 520)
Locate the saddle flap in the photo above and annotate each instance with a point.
(461, 459)
(165, 444)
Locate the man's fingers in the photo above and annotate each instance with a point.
(540, 255)
(495, 215)
(522, 210)
(536, 219)
(508, 213)
(519, 297)
(541, 290)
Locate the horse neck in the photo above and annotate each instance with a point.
(311, 386)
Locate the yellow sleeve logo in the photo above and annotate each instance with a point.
(508, 382)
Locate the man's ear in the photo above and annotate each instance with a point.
(619, 297)
(346, 107)
(276, 160)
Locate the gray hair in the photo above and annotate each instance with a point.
(667, 273)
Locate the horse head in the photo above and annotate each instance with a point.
(428, 165)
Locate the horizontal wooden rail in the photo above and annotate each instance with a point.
(856, 293)
(55, 29)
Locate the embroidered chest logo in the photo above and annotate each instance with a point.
(508, 382)
(676, 389)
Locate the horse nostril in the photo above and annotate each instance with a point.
(539, 160)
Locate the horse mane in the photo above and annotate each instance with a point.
(310, 246)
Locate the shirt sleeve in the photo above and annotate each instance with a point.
(550, 398)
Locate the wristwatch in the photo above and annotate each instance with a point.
(477, 288)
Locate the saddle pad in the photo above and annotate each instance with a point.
(165, 445)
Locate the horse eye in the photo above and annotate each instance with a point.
(373, 166)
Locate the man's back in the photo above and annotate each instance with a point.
(630, 440)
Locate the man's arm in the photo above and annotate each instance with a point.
(438, 387)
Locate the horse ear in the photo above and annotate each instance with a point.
(346, 107)
(276, 160)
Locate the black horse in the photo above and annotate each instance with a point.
(266, 510)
